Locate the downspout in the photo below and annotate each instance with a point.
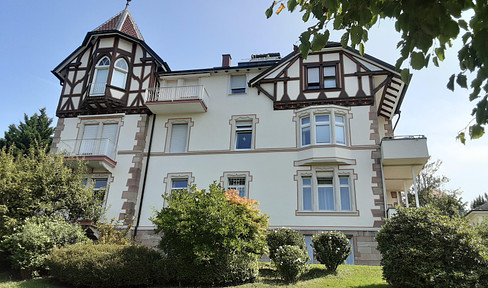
(139, 211)
(385, 201)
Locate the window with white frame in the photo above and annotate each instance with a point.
(179, 138)
(237, 84)
(237, 183)
(244, 135)
(325, 191)
(99, 139)
(322, 77)
(179, 184)
(322, 128)
(100, 77)
(237, 180)
(119, 75)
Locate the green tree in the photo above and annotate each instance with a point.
(211, 237)
(427, 29)
(43, 184)
(429, 185)
(480, 200)
(35, 129)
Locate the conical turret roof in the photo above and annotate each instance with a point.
(122, 22)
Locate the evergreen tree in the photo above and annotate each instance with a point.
(480, 200)
(35, 129)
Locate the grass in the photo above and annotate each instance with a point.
(352, 276)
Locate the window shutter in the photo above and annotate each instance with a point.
(178, 138)
(110, 132)
(238, 81)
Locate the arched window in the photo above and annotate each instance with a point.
(100, 78)
(119, 75)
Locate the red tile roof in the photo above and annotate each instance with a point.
(122, 22)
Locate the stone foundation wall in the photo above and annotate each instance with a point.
(148, 238)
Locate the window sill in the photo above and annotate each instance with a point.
(326, 213)
(237, 93)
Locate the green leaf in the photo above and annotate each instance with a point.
(476, 131)
(361, 49)
(450, 84)
(305, 16)
(417, 60)
(463, 24)
(292, 4)
(461, 80)
(269, 11)
(461, 137)
(436, 61)
(356, 35)
(406, 76)
(440, 53)
(320, 40)
(344, 39)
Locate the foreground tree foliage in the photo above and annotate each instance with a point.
(420, 247)
(35, 130)
(429, 185)
(43, 184)
(427, 28)
(211, 237)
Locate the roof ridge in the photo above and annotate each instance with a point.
(118, 22)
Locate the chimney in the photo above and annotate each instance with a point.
(226, 60)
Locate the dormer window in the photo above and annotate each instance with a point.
(323, 76)
(119, 75)
(100, 77)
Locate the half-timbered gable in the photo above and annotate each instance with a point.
(109, 72)
(333, 76)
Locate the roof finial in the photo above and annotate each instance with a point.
(127, 4)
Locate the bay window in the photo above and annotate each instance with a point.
(322, 128)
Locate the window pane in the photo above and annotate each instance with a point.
(121, 64)
(99, 184)
(326, 198)
(313, 78)
(340, 135)
(307, 198)
(305, 136)
(118, 78)
(344, 180)
(243, 140)
(178, 138)
(345, 199)
(100, 81)
(104, 62)
(330, 83)
(329, 71)
(179, 184)
(339, 119)
(238, 83)
(88, 145)
(324, 181)
(239, 184)
(307, 181)
(322, 118)
(322, 134)
(305, 120)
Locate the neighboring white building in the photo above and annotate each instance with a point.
(310, 139)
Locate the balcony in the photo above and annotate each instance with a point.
(179, 99)
(403, 158)
(99, 153)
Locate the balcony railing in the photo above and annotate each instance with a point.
(88, 147)
(179, 99)
(179, 93)
(97, 89)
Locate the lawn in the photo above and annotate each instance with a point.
(317, 276)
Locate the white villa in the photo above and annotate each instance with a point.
(311, 139)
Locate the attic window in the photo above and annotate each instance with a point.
(100, 77)
(237, 84)
(322, 77)
(119, 75)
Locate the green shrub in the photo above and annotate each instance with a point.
(331, 248)
(422, 248)
(283, 236)
(27, 248)
(107, 265)
(212, 237)
(112, 233)
(482, 231)
(291, 262)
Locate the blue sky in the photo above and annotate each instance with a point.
(35, 36)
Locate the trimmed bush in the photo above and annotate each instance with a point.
(27, 248)
(331, 248)
(211, 237)
(283, 236)
(291, 262)
(107, 265)
(422, 248)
